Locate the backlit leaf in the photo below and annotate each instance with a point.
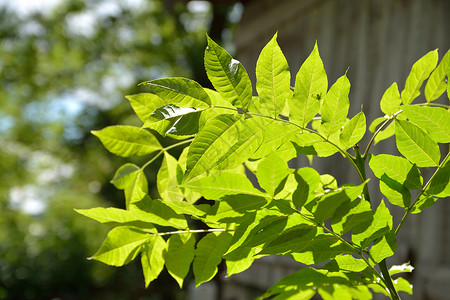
(353, 131)
(127, 141)
(179, 255)
(122, 245)
(335, 107)
(137, 190)
(152, 259)
(435, 121)
(209, 254)
(144, 104)
(391, 101)
(167, 179)
(181, 91)
(416, 145)
(436, 84)
(384, 247)
(440, 184)
(351, 214)
(311, 85)
(272, 79)
(227, 75)
(419, 72)
(271, 172)
(125, 175)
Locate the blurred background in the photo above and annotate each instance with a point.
(65, 67)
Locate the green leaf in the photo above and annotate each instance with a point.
(144, 104)
(385, 133)
(271, 172)
(436, 84)
(373, 228)
(402, 285)
(122, 245)
(179, 255)
(209, 254)
(157, 212)
(351, 214)
(152, 258)
(406, 267)
(434, 121)
(171, 119)
(440, 183)
(222, 184)
(416, 145)
(275, 135)
(384, 247)
(137, 190)
(182, 91)
(347, 263)
(167, 179)
(391, 101)
(353, 131)
(373, 126)
(183, 207)
(227, 75)
(308, 180)
(127, 141)
(272, 79)
(419, 72)
(125, 175)
(224, 143)
(115, 216)
(423, 202)
(335, 106)
(311, 85)
(313, 144)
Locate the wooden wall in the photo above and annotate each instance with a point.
(378, 40)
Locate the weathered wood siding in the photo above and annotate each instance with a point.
(378, 40)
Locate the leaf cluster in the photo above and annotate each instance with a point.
(229, 133)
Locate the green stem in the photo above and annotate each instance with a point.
(192, 231)
(360, 165)
(387, 280)
(163, 150)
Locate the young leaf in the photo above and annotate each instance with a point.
(416, 145)
(271, 172)
(125, 176)
(311, 85)
(182, 91)
(436, 84)
(216, 186)
(127, 141)
(122, 245)
(224, 142)
(384, 247)
(373, 228)
(227, 75)
(272, 79)
(390, 102)
(353, 131)
(396, 168)
(435, 121)
(419, 72)
(152, 258)
(144, 104)
(137, 190)
(179, 255)
(167, 179)
(335, 106)
(209, 254)
(171, 119)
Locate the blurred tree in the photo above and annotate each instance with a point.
(64, 69)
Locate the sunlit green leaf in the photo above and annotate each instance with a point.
(353, 131)
(182, 91)
(311, 85)
(390, 102)
(125, 175)
(383, 247)
(402, 285)
(416, 145)
(272, 79)
(179, 255)
(127, 141)
(271, 172)
(167, 179)
(440, 183)
(350, 215)
(209, 254)
(115, 216)
(335, 107)
(313, 144)
(144, 104)
(436, 84)
(406, 267)
(122, 245)
(308, 180)
(434, 121)
(152, 258)
(419, 72)
(227, 75)
(137, 190)
(346, 263)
